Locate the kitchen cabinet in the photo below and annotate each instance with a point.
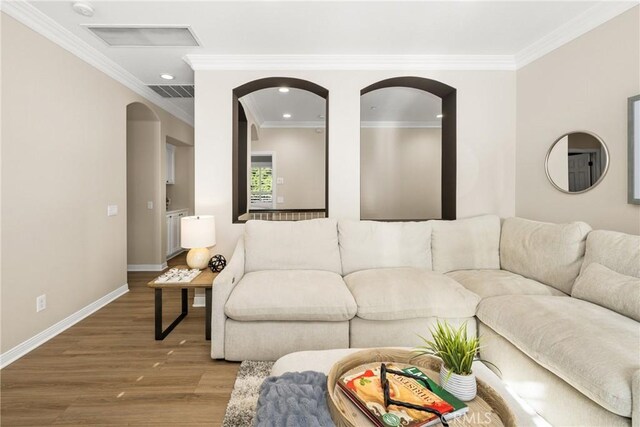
(173, 231)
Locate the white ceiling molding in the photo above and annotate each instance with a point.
(586, 21)
(402, 124)
(249, 102)
(350, 62)
(47, 27)
(292, 124)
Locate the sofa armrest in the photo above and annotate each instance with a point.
(222, 287)
(635, 399)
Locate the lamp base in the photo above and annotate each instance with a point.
(198, 258)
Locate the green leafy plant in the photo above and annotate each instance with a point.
(456, 349)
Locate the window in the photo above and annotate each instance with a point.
(262, 182)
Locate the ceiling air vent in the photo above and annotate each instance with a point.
(140, 36)
(173, 91)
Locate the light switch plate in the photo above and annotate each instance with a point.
(41, 303)
(280, 180)
(149, 205)
(280, 199)
(112, 210)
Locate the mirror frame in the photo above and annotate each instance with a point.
(633, 102)
(595, 184)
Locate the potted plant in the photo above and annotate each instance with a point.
(457, 351)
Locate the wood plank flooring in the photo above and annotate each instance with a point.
(109, 370)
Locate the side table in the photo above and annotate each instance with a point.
(203, 280)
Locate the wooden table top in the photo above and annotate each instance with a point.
(202, 280)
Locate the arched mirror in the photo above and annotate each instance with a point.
(577, 162)
(280, 150)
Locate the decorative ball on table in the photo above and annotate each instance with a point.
(217, 263)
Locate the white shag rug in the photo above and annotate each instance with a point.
(244, 397)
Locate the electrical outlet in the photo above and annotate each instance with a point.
(41, 303)
(149, 205)
(112, 210)
(280, 199)
(279, 180)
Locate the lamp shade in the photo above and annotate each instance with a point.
(198, 231)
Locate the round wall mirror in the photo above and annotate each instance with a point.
(577, 162)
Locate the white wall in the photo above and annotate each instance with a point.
(63, 161)
(299, 155)
(143, 175)
(583, 85)
(401, 173)
(486, 140)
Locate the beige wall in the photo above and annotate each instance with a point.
(583, 85)
(142, 176)
(400, 172)
(486, 140)
(300, 155)
(181, 193)
(63, 162)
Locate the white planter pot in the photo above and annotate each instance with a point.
(461, 386)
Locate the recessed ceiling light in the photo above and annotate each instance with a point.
(439, 116)
(167, 76)
(283, 90)
(286, 115)
(82, 8)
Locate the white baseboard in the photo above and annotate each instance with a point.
(199, 299)
(146, 267)
(21, 349)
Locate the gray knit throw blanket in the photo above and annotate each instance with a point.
(294, 399)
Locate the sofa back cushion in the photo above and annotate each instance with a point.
(617, 251)
(292, 245)
(549, 253)
(607, 288)
(370, 244)
(466, 244)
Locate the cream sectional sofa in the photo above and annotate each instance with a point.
(323, 284)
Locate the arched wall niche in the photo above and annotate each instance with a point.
(449, 139)
(240, 138)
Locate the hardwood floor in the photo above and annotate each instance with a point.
(109, 370)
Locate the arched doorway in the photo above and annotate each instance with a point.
(314, 127)
(447, 118)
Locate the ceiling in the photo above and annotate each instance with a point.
(491, 29)
(387, 107)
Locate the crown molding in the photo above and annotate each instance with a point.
(33, 18)
(581, 24)
(402, 124)
(249, 102)
(200, 62)
(274, 124)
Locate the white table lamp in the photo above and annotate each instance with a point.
(198, 233)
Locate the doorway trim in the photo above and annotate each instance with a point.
(239, 182)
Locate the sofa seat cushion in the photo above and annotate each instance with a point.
(291, 295)
(409, 293)
(592, 348)
(490, 283)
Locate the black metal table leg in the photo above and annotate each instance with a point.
(207, 319)
(160, 334)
